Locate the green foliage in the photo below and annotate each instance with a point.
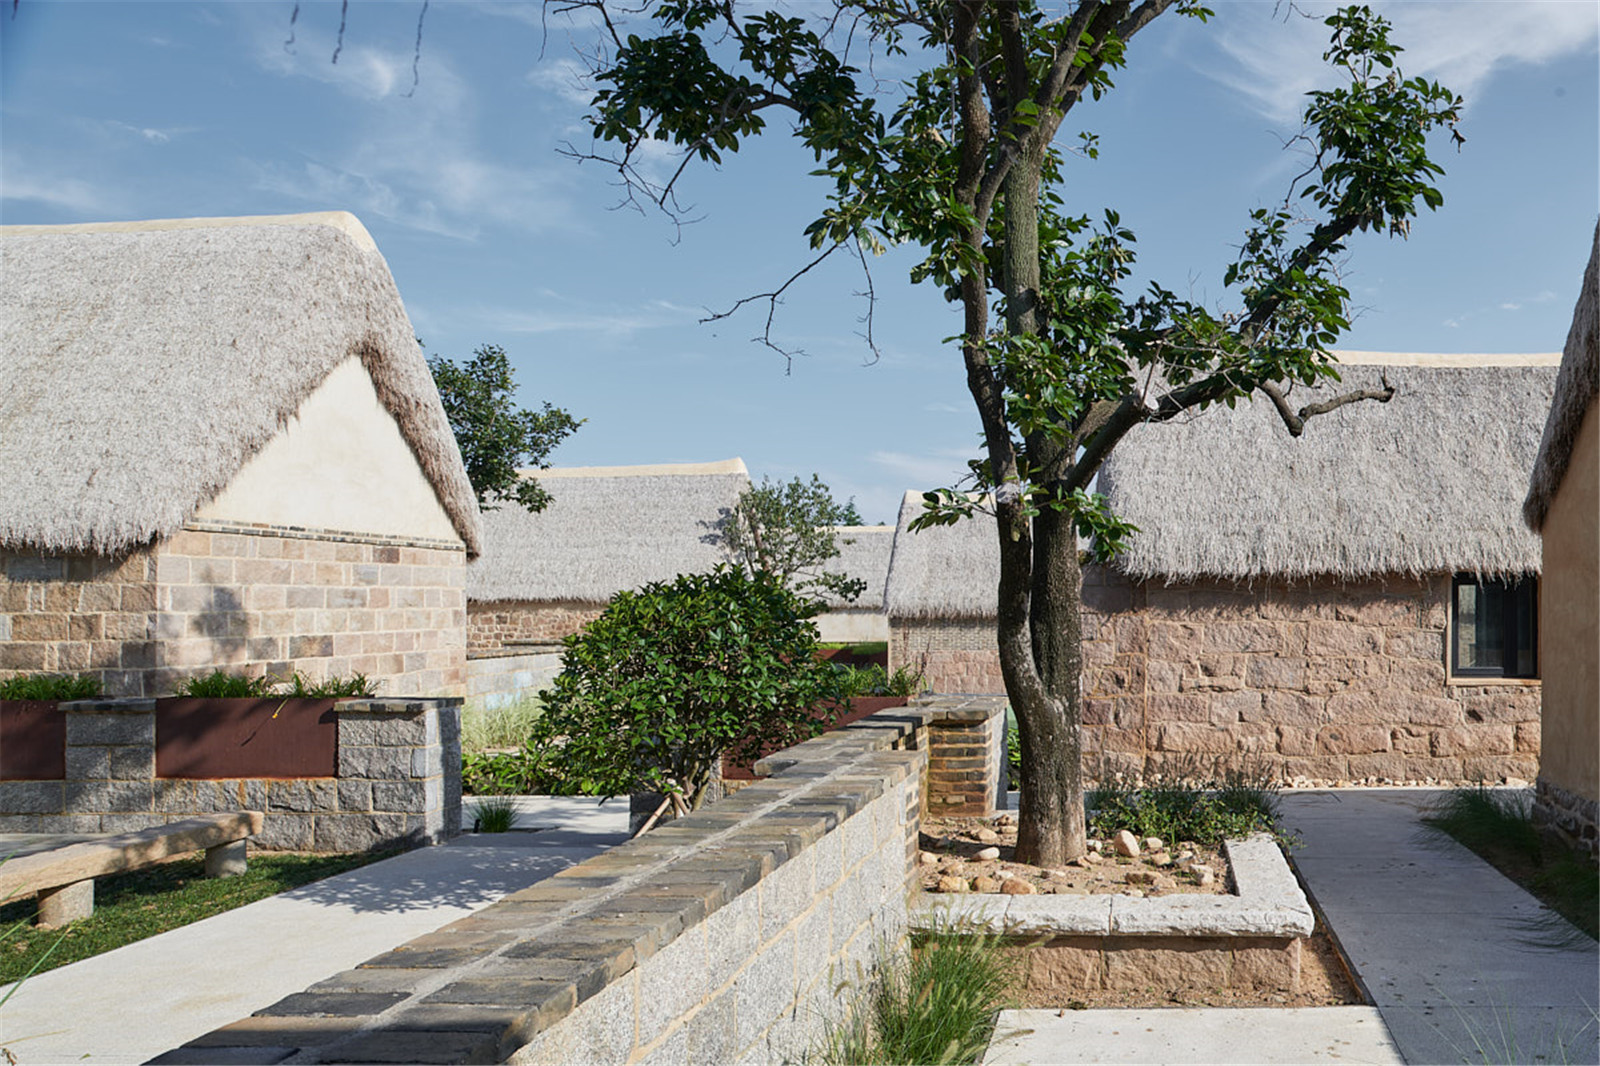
(1204, 809)
(50, 687)
(494, 814)
(787, 531)
(528, 771)
(219, 685)
(1498, 826)
(506, 726)
(495, 436)
(935, 1003)
(669, 678)
(874, 680)
(356, 686)
(141, 903)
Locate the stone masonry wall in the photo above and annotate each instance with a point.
(492, 625)
(954, 655)
(966, 754)
(399, 781)
(1321, 681)
(248, 600)
(719, 938)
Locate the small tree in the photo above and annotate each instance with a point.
(671, 677)
(494, 435)
(787, 530)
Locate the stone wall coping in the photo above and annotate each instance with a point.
(1267, 902)
(879, 731)
(960, 707)
(117, 705)
(557, 943)
(396, 704)
(513, 651)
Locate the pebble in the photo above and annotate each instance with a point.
(1125, 843)
(1135, 893)
(988, 853)
(1017, 886)
(951, 884)
(1160, 858)
(1095, 845)
(986, 836)
(1094, 858)
(985, 884)
(1140, 877)
(1004, 819)
(1203, 874)
(927, 858)
(1154, 844)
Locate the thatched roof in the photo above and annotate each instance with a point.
(607, 529)
(866, 556)
(144, 363)
(1431, 481)
(1576, 387)
(943, 572)
(1428, 482)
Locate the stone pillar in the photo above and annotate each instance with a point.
(966, 754)
(399, 774)
(111, 765)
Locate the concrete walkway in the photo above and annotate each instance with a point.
(132, 1004)
(1463, 965)
(1459, 962)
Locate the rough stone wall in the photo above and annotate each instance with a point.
(253, 601)
(1574, 816)
(954, 654)
(498, 679)
(398, 783)
(491, 625)
(78, 614)
(1320, 680)
(722, 937)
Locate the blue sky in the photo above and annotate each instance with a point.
(153, 110)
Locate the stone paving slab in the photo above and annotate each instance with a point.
(1346, 1035)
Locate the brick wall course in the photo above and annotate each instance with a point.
(253, 600)
(492, 625)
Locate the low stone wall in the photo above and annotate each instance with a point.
(718, 938)
(1574, 816)
(494, 625)
(503, 676)
(398, 783)
(966, 754)
(1250, 939)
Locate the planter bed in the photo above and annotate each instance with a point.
(1248, 940)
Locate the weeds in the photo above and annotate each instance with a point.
(1205, 809)
(493, 814)
(220, 685)
(1498, 826)
(874, 680)
(506, 726)
(356, 686)
(934, 1003)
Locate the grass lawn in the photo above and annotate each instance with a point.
(1498, 828)
(132, 906)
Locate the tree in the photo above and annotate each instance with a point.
(654, 691)
(961, 160)
(495, 436)
(787, 530)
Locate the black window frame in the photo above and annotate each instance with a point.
(1508, 627)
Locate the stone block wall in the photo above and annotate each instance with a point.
(1319, 681)
(493, 625)
(399, 781)
(498, 678)
(1575, 817)
(966, 754)
(719, 938)
(254, 600)
(954, 654)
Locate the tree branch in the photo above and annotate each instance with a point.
(773, 298)
(1296, 421)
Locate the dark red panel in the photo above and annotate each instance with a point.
(33, 741)
(201, 738)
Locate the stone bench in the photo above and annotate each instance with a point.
(64, 877)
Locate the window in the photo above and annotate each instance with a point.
(1492, 627)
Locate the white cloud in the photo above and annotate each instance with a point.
(565, 316)
(942, 467)
(564, 78)
(1273, 62)
(54, 190)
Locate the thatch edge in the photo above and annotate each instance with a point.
(1577, 384)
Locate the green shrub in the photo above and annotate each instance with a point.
(493, 815)
(218, 685)
(670, 678)
(528, 772)
(50, 687)
(356, 686)
(874, 680)
(1202, 809)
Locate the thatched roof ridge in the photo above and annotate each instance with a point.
(605, 533)
(145, 363)
(943, 572)
(865, 556)
(1577, 384)
(1429, 482)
